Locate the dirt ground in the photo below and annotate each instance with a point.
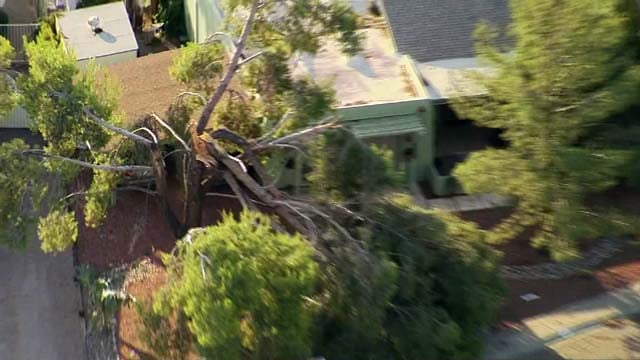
(129, 345)
(619, 271)
(136, 228)
(39, 306)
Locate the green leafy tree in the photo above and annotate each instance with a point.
(242, 286)
(572, 68)
(21, 184)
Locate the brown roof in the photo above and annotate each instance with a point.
(145, 84)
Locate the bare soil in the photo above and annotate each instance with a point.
(130, 347)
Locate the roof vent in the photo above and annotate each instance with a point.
(94, 23)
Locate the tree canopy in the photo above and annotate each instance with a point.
(571, 70)
(243, 288)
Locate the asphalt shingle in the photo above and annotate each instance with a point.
(430, 30)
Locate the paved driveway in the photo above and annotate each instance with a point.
(39, 306)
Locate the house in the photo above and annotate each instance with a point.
(18, 20)
(102, 33)
(23, 11)
(438, 36)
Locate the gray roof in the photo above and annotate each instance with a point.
(117, 36)
(429, 30)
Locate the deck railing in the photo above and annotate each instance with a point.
(16, 34)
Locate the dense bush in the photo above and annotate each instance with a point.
(242, 288)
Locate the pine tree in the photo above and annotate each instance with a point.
(572, 68)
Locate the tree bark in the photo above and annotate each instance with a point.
(192, 208)
(160, 175)
(233, 67)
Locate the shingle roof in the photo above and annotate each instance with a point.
(429, 30)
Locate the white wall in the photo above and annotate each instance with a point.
(110, 59)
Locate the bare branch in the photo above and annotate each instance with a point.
(277, 127)
(191, 93)
(233, 67)
(242, 165)
(299, 136)
(173, 152)
(170, 129)
(153, 136)
(100, 121)
(113, 168)
(226, 134)
(137, 188)
(231, 196)
(241, 195)
(250, 58)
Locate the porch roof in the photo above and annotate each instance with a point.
(386, 126)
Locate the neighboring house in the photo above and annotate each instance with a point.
(109, 41)
(438, 36)
(203, 18)
(21, 18)
(24, 11)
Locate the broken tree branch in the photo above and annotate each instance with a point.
(193, 94)
(170, 129)
(153, 136)
(233, 67)
(100, 121)
(240, 194)
(114, 168)
(250, 58)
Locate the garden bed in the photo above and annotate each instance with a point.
(617, 272)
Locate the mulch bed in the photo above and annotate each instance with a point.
(135, 228)
(130, 347)
(619, 271)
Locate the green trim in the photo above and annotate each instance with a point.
(386, 126)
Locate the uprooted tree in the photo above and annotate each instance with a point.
(76, 114)
(386, 268)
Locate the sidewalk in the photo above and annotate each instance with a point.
(545, 330)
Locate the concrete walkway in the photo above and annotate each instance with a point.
(39, 305)
(542, 332)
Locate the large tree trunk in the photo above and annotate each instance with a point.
(192, 210)
(160, 175)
